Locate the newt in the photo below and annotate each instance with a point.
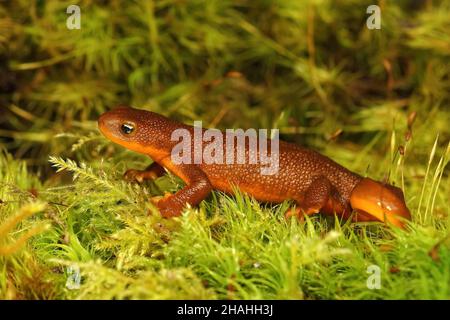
(313, 181)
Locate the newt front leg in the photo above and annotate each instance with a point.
(153, 171)
(197, 188)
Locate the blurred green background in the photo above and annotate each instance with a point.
(376, 101)
(309, 68)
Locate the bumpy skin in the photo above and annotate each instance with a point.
(315, 182)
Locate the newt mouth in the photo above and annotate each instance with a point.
(374, 201)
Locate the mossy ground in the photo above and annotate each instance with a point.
(310, 68)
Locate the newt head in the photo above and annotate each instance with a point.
(137, 130)
(375, 201)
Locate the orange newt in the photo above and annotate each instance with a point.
(315, 182)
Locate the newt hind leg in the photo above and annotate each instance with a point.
(315, 198)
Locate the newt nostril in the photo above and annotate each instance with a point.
(101, 122)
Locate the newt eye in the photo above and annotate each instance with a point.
(127, 128)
